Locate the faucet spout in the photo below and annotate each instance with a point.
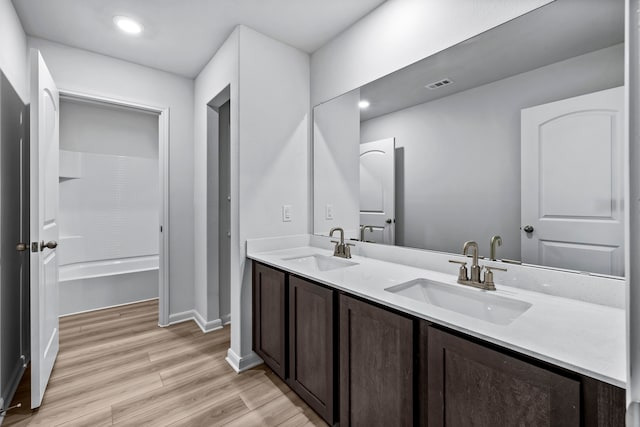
(495, 240)
(473, 245)
(342, 249)
(341, 234)
(475, 268)
(363, 228)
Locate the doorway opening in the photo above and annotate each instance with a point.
(113, 204)
(219, 207)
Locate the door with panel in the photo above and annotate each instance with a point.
(573, 183)
(44, 152)
(377, 190)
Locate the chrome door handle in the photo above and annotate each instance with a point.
(51, 245)
(528, 229)
(21, 247)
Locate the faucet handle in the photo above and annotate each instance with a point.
(462, 272)
(488, 276)
(347, 249)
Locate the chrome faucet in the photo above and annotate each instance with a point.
(475, 280)
(363, 228)
(495, 240)
(342, 249)
(475, 268)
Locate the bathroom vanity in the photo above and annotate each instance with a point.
(361, 353)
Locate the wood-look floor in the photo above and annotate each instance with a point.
(117, 367)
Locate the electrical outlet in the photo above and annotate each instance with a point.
(328, 212)
(286, 213)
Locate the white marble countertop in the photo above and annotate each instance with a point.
(580, 336)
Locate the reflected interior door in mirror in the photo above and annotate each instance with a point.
(572, 183)
(377, 191)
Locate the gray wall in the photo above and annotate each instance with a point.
(461, 154)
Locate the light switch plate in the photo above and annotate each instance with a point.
(286, 213)
(328, 212)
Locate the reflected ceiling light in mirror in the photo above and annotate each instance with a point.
(127, 25)
(363, 104)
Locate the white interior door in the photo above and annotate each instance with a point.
(377, 190)
(573, 183)
(43, 226)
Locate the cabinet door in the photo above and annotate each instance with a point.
(376, 366)
(472, 385)
(311, 339)
(269, 328)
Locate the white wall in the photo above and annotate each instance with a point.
(461, 154)
(336, 159)
(399, 33)
(13, 49)
(269, 96)
(82, 71)
(273, 152)
(220, 72)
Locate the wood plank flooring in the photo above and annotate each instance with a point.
(116, 367)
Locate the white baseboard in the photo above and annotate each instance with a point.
(109, 306)
(210, 326)
(205, 326)
(180, 317)
(226, 319)
(241, 364)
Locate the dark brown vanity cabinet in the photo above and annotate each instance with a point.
(294, 332)
(470, 384)
(465, 383)
(269, 321)
(311, 345)
(397, 370)
(376, 366)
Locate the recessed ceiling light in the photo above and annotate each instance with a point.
(127, 25)
(364, 104)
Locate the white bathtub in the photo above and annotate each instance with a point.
(99, 284)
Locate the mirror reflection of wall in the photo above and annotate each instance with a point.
(471, 141)
(458, 153)
(336, 183)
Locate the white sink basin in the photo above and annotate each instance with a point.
(320, 262)
(483, 305)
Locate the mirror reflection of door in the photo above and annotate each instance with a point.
(572, 183)
(377, 191)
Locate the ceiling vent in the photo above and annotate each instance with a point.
(439, 84)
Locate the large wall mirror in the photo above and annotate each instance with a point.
(516, 133)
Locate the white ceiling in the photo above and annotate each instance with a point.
(181, 36)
